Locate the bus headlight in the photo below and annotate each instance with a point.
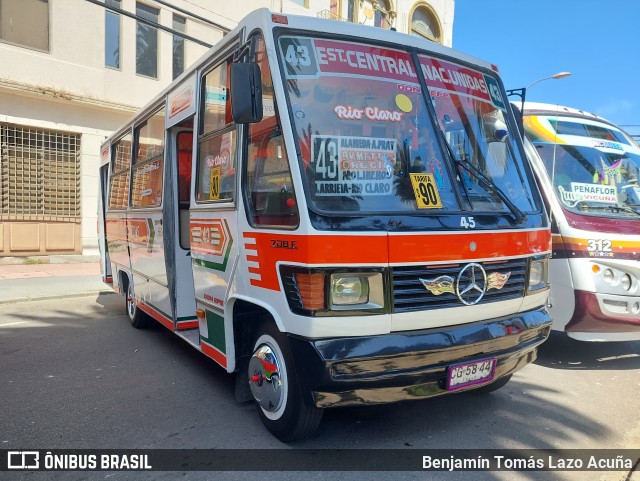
(348, 290)
(356, 290)
(331, 292)
(608, 276)
(617, 281)
(538, 274)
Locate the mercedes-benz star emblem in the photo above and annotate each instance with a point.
(471, 284)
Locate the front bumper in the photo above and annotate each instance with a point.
(411, 365)
(604, 313)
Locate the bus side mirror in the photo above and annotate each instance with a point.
(246, 93)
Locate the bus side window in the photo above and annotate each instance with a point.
(216, 164)
(148, 162)
(271, 195)
(120, 166)
(269, 186)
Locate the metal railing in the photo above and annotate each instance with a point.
(328, 14)
(39, 174)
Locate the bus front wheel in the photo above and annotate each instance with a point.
(277, 395)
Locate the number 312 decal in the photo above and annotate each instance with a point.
(599, 245)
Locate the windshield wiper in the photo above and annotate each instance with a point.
(614, 208)
(488, 183)
(520, 216)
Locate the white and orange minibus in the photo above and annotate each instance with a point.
(588, 173)
(335, 213)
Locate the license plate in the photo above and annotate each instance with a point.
(468, 374)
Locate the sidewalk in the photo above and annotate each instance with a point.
(27, 282)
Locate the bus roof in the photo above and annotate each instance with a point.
(532, 108)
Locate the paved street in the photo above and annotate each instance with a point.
(74, 374)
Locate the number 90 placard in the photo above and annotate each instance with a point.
(425, 191)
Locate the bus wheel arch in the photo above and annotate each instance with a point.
(266, 367)
(247, 317)
(137, 318)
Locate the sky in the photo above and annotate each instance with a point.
(598, 41)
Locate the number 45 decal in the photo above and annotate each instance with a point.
(467, 222)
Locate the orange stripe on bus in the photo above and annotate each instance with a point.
(578, 244)
(213, 353)
(184, 325)
(468, 246)
(382, 249)
(165, 321)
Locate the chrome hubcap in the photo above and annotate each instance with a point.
(266, 384)
(131, 303)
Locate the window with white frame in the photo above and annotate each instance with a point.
(352, 10)
(112, 35)
(424, 23)
(179, 25)
(382, 17)
(147, 41)
(25, 23)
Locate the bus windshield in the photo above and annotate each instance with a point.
(593, 166)
(367, 141)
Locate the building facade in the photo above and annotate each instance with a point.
(72, 71)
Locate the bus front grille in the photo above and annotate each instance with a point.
(411, 294)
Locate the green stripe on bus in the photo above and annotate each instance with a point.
(218, 266)
(215, 325)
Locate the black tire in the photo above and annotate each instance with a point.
(494, 386)
(137, 318)
(277, 394)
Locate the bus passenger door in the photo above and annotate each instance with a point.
(183, 296)
(214, 238)
(105, 263)
(213, 222)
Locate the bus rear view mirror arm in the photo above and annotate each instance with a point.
(246, 93)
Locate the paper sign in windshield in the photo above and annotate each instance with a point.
(591, 193)
(425, 191)
(344, 165)
(214, 183)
